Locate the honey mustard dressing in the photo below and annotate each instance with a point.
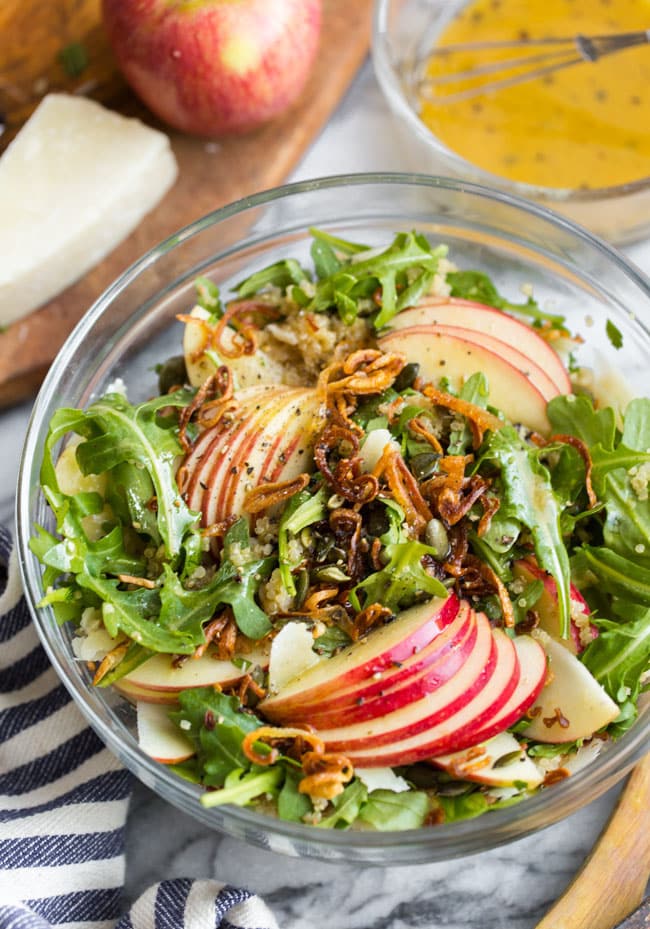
(586, 127)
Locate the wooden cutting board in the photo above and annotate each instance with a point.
(32, 36)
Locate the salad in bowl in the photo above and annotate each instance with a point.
(376, 553)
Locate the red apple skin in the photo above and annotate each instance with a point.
(214, 67)
(460, 633)
(547, 608)
(392, 696)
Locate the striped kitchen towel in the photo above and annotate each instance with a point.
(63, 805)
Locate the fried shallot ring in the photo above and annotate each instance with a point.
(370, 616)
(364, 372)
(209, 388)
(404, 489)
(490, 504)
(239, 314)
(417, 426)
(346, 526)
(480, 420)
(137, 581)
(325, 774)
(268, 735)
(270, 494)
(345, 477)
(317, 597)
(584, 453)
(489, 575)
(110, 661)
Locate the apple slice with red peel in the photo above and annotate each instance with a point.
(533, 670)
(406, 635)
(485, 681)
(246, 370)
(547, 607)
(160, 673)
(145, 695)
(393, 696)
(536, 375)
(459, 634)
(572, 705)
(453, 311)
(499, 762)
(159, 738)
(222, 440)
(456, 358)
(269, 440)
(456, 731)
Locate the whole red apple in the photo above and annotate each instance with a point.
(212, 67)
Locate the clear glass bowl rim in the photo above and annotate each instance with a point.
(379, 848)
(390, 83)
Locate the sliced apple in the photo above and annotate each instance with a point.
(458, 636)
(499, 762)
(160, 672)
(410, 632)
(416, 741)
(489, 671)
(582, 631)
(572, 705)
(453, 311)
(393, 696)
(270, 440)
(159, 738)
(441, 355)
(247, 370)
(533, 669)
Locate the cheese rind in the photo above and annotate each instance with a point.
(75, 181)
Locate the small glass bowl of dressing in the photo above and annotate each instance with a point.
(576, 140)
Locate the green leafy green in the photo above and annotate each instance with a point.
(615, 574)
(464, 806)
(281, 274)
(346, 806)
(476, 391)
(240, 786)
(304, 509)
(618, 658)
(292, 805)
(208, 297)
(474, 285)
(74, 58)
(388, 811)
(401, 581)
(528, 493)
(614, 334)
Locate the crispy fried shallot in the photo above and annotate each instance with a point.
(404, 489)
(451, 493)
(325, 774)
(281, 740)
(490, 504)
(480, 420)
(344, 475)
(110, 661)
(217, 388)
(370, 616)
(420, 428)
(137, 581)
(584, 453)
(270, 494)
(494, 581)
(240, 316)
(364, 372)
(346, 525)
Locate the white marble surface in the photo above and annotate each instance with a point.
(508, 888)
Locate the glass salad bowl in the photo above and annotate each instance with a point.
(133, 326)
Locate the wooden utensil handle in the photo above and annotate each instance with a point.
(612, 881)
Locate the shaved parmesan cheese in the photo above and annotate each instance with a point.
(381, 779)
(76, 180)
(291, 654)
(373, 448)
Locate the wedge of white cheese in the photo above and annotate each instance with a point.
(75, 181)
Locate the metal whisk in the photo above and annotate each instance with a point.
(544, 56)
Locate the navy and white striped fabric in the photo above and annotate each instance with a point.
(63, 805)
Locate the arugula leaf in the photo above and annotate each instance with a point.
(303, 509)
(474, 285)
(389, 811)
(281, 274)
(238, 586)
(346, 806)
(207, 296)
(292, 805)
(331, 641)
(240, 787)
(615, 574)
(464, 806)
(398, 585)
(618, 658)
(614, 334)
(340, 245)
(528, 493)
(476, 391)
